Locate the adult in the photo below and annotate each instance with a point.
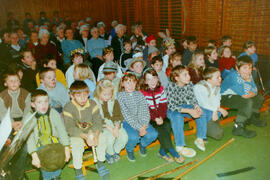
(58, 38)
(33, 40)
(56, 19)
(15, 49)
(28, 19)
(137, 38)
(114, 24)
(84, 36)
(118, 41)
(42, 20)
(103, 34)
(12, 23)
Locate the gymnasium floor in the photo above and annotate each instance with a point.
(239, 154)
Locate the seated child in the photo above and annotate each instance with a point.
(109, 109)
(174, 60)
(50, 62)
(181, 103)
(126, 55)
(18, 100)
(136, 65)
(152, 52)
(210, 54)
(169, 50)
(192, 44)
(57, 92)
(212, 42)
(109, 71)
(196, 67)
(49, 129)
(157, 64)
(207, 93)
(82, 72)
(136, 116)
(226, 62)
(151, 42)
(239, 92)
(226, 40)
(84, 124)
(108, 56)
(157, 102)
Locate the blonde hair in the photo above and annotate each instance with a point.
(102, 85)
(83, 72)
(193, 64)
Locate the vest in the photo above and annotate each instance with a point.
(8, 100)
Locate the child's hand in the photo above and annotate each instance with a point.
(35, 160)
(195, 113)
(199, 110)
(143, 131)
(17, 125)
(84, 136)
(159, 121)
(249, 95)
(67, 154)
(215, 116)
(116, 132)
(224, 112)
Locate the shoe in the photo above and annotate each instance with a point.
(130, 156)
(102, 171)
(205, 140)
(256, 121)
(143, 151)
(200, 144)
(109, 158)
(166, 158)
(187, 152)
(116, 157)
(240, 130)
(179, 160)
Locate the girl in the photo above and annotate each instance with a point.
(157, 102)
(211, 56)
(169, 50)
(181, 103)
(82, 72)
(196, 67)
(109, 109)
(226, 61)
(174, 60)
(136, 116)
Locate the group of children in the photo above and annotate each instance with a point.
(134, 102)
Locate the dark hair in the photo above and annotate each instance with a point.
(8, 73)
(208, 51)
(243, 60)
(36, 93)
(128, 76)
(191, 39)
(225, 38)
(78, 87)
(49, 58)
(157, 59)
(248, 44)
(127, 42)
(212, 41)
(43, 72)
(143, 85)
(208, 72)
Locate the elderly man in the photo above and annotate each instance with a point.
(118, 41)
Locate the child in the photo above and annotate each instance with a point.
(109, 71)
(174, 60)
(108, 56)
(126, 55)
(239, 92)
(212, 42)
(192, 48)
(169, 50)
(157, 65)
(136, 65)
(136, 116)
(110, 112)
(48, 131)
(50, 62)
(181, 103)
(207, 93)
(196, 67)
(82, 72)
(210, 53)
(226, 62)
(151, 42)
(226, 40)
(57, 92)
(157, 102)
(152, 52)
(84, 123)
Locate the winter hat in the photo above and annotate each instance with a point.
(134, 60)
(150, 38)
(110, 66)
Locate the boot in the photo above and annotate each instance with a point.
(255, 120)
(240, 130)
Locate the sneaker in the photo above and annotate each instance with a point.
(130, 156)
(205, 140)
(240, 130)
(143, 151)
(109, 158)
(116, 157)
(200, 144)
(187, 152)
(256, 121)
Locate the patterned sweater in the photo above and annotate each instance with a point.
(178, 96)
(134, 109)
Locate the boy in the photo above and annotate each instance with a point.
(151, 42)
(226, 40)
(109, 71)
(207, 93)
(239, 92)
(49, 132)
(56, 91)
(191, 49)
(157, 64)
(210, 53)
(82, 119)
(136, 66)
(126, 55)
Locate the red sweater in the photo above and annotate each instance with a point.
(157, 102)
(226, 63)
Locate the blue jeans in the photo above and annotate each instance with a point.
(134, 138)
(177, 122)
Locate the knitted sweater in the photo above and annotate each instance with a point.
(157, 102)
(226, 63)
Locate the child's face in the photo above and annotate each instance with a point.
(185, 45)
(127, 47)
(109, 57)
(227, 53)
(78, 60)
(129, 85)
(245, 71)
(213, 55)
(137, 67)
(49, 80)
(215, 80)
(151, 80)
(28, 58)
(110, 76)
(200, 61)
(157, 66)
(154, 54)
(12, 83)
(170, 50)
(177, 61)
(81, 97)
(41, 104)
(183, 78)
(106, 94)
(51, 64)
(152, 43)
(228, 43)
(251, 50)
(34, 37)
(192, 46)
